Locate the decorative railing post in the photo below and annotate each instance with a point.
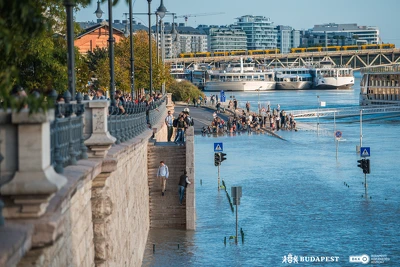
(35, 181)
(169, 102)
(100, 140)
(80, 112)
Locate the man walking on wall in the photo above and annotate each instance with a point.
(163, 173)
(169, 122)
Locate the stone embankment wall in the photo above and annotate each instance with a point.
(100, 217)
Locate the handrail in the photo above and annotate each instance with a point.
(66, 132)
(344, 111)
(135, 120)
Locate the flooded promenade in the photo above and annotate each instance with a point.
(299, 201)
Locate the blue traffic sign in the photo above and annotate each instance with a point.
(338, 134)
(218, 147)
(365, 152)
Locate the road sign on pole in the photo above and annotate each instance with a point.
(338, 134)
(365, 152)
(236, 192)
(218, 147)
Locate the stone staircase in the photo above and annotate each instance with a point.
(165, 211)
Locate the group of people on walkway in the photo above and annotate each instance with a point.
(244, 120)
(181, 123)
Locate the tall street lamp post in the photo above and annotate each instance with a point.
(150, 52)
(161, 11)
(111, 52)
(69, 5)
(132, 59)
(111, 41)
(157, 39)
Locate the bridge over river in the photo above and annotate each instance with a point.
(379, 111)
(354, 58)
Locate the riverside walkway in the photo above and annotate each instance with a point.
(203, 116)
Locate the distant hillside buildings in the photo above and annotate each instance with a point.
(247, 33)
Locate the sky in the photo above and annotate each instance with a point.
(299, 14)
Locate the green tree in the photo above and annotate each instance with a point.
(184, 90)
(31, 52)
(141, 65)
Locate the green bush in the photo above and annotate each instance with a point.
(184, 90)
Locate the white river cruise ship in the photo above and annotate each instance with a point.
(327, 76)
(380, 85)
(240, 77)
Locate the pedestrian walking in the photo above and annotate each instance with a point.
(181, 125)
(163, 173)
(183, 182)
(248, 107)
(169, 122)
(218, 107)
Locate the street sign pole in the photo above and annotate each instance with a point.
(218, 178)
(365, 185)
(236, 237)
(338, 135)
(337, 147)
(236, 192)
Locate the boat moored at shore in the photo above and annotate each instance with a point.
(293, 78)
(178, 72)
(239, 77)
(327, 76)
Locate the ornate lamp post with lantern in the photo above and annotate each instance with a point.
(111, 41)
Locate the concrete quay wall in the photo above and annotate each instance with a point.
(99, 218)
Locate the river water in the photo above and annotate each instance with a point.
(303, 203)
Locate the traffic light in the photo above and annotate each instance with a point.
(223, 157)
(361, 163)
(366, 167)
(217, 159)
